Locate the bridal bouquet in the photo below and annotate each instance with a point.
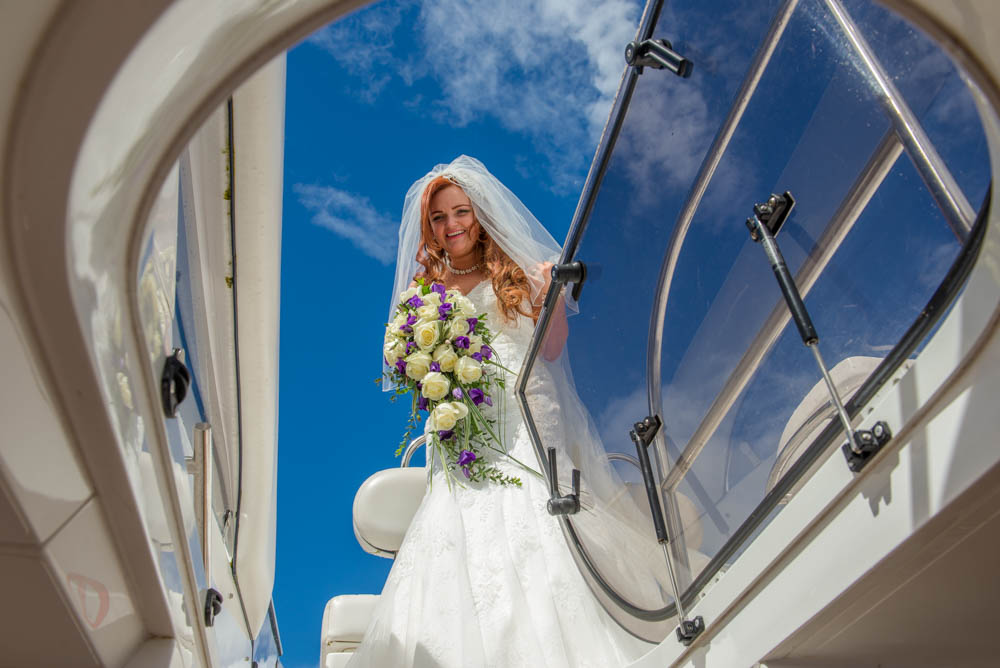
(438, 351)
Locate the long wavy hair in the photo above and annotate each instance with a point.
(510, 284)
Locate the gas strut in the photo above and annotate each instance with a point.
(764, 224)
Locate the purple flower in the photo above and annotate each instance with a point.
(438, 288)
(472, 324)
(410, 321)
(462, 342)
(445, 434)
(466, 457)
(410, 347)
(415, 301)
(422, 403)
(457, 393)
(477, 395)
(401, 366)
(434, 366)
(420, 385)
(477, 356)
(443, 311)
(487, 352)
(465, 470)
(489, 402)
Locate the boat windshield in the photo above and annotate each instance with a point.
(872, 130)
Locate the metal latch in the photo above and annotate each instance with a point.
(174, 382)
(558, 504)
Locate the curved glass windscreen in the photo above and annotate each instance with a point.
(875, 134)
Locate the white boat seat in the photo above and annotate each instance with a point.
(345, 620)
(384, 507)
(337, 660)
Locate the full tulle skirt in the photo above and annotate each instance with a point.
(484, 578)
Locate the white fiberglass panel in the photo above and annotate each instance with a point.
(95, 584)
(48, 494)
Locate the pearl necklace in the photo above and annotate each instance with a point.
(461, 272)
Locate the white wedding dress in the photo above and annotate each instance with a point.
(484, 577)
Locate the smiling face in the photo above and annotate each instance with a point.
(454, 225)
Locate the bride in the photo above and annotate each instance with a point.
(484, 577)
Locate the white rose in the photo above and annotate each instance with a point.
(394, 327)
(432, 298)
(468, 370)
(445, 356)
(417, 365)
(458, 327)
(393, 350)
(426, 334)
(447, 415)
(434, 385)
(428, 312)
(475, 344)
(406, 294)
(464, 306)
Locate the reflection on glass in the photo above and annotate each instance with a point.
(867, 241)
(815, 128)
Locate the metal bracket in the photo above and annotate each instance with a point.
(174, 382)
(773, 213)
(572, 272)
(689, 629)
(658, 54)
(562, 505)
(213, 606)
(870, 441)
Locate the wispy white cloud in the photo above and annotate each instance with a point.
(547, 70)
(352, 217)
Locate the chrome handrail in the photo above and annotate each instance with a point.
(708, 166)
(946, 193)
(411, 449)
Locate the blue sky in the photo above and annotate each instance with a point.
(379, 98)
(373, 102)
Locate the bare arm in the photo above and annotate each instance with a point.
(555, 337)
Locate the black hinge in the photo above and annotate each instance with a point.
(572, 272)
(658, 54)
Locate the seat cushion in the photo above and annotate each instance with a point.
(384, 507)
(337, 660)
(344, 622)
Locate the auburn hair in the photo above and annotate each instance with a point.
(510, 284)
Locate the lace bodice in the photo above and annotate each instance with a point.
(510, 344)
